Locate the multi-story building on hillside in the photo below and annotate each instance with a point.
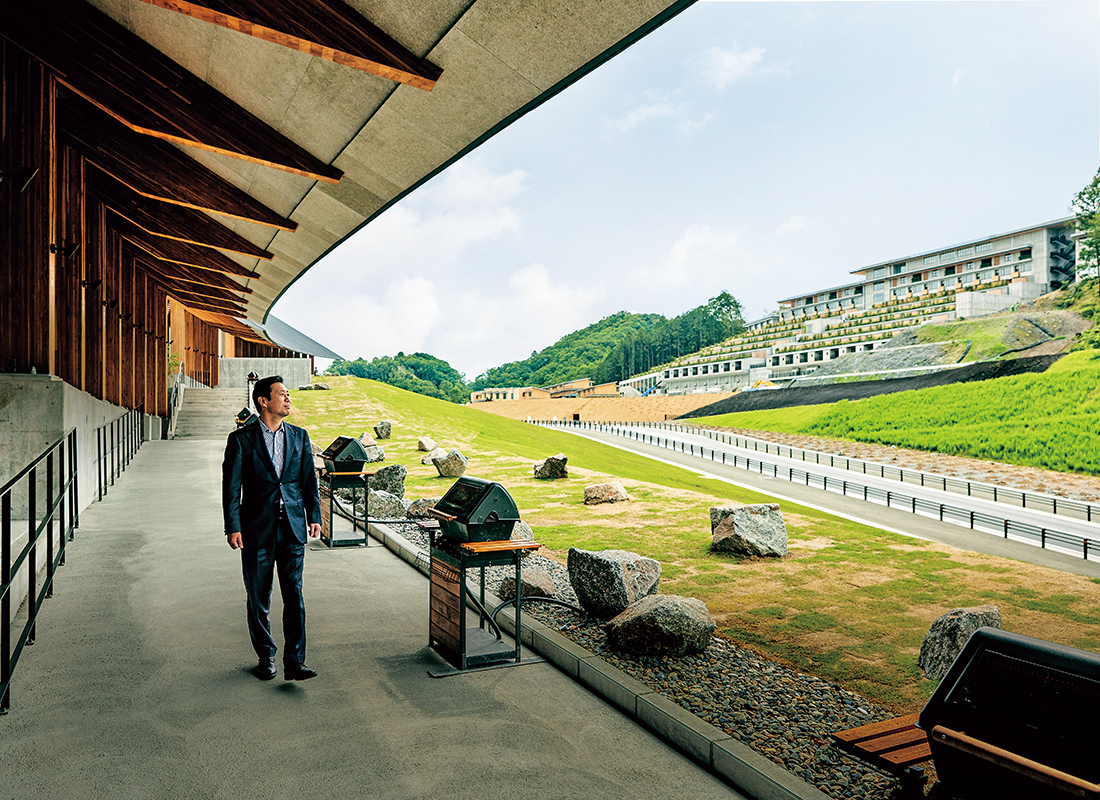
(965, 280)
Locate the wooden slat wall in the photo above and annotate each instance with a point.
(95, 261)
(26, 140)
(69, 271)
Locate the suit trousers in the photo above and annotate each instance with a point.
(286, 555)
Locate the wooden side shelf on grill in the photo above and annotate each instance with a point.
(893, 745)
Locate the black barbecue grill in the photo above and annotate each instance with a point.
(1016, 717)
(345, 454)
(475, 510)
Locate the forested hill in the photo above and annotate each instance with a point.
(577, 355)
(419, 372)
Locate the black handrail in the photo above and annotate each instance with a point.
(116, 442)
(944, 512)
(61, 507)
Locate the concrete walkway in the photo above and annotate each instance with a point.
(139, 686)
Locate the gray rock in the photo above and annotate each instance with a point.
(662, 625)
(438, 452)
(612, 492)
(390, 479)
(949, 634)
(426, 444)
(383, 505)
(315, 448)
(452, 465)
(552, 468)
(308, 387)
(418, 509)
(375, 453)
(521, 532)
(321, 386)
(608, 581)
(383, 429)
(366, 439)
(535, 583)
(754, 530)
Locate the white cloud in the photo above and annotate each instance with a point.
(700, 253)
(956, 79)
(723, 67)
(534, 312)
(795, 224)
(659, 107)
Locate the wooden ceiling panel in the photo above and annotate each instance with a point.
(155, 169)
(326, 29)
(141, 87)
(168, 221)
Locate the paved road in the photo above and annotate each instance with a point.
(854, 507)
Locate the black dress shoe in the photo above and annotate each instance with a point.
(265, 670)
(298, 672)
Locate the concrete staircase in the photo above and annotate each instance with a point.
(209, 413)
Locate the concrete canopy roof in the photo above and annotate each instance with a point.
(499, 59)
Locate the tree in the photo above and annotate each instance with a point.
(1086, 205)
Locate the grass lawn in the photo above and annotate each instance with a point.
(851, 603)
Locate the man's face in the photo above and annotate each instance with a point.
(279, 401)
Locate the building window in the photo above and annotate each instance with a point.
(966, 252)
(931, 260)
(859, 290)
(987, 262)
(726, 367)
(948, 270)
(984, 247)
(917, 278)
(898, 269)
(832, 295)
(879, 272)
(1025, 254)
(1007, 257)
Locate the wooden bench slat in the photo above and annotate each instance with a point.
(894, 741)
(876, 729)
(493, 547)
(908, 756)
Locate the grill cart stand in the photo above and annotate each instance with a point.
(330, 482)
(467, 648)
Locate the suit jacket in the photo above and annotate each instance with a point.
(251, 490)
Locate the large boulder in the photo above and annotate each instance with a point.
(438, 452)
(389, 479)
(755, 530)
(662, 625)
(452, 465)
(608, 581)
(521, 532)
(418, 509)
(383, 429)
(374, 451)
(426, 444)
(949, 634)
(551, 468)
(612, 492)
(534, 582)
(383, 505)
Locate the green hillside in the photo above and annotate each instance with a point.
(1048, 420)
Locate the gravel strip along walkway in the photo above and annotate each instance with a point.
(782, 714)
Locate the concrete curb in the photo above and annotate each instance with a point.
(737, 763)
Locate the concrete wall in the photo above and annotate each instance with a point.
(233, 372)
(978, 304)
(35, 411)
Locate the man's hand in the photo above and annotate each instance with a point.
(234, 540)
(314, 530)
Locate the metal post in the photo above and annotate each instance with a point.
(5, 602)
(49, 526)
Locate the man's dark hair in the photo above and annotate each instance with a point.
(263, 389)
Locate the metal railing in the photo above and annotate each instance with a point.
(1052, 504)
(116, 442)
(975, 520)
(55, 523)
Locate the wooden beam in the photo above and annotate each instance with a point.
(154, 168)
(170, 222)
(326, 29)
(210, 261)
(144, 89)
(164, 275)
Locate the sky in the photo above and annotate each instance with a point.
(767, 149)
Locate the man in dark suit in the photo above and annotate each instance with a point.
(270, 501)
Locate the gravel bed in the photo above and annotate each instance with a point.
(781, 713)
